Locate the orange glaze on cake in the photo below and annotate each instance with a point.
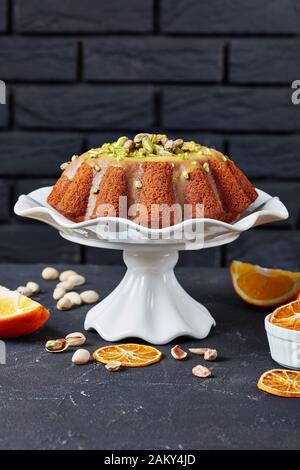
(91, 185)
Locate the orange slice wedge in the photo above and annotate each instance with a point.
(130, 355)
(264, 287)
(287, 316)
(19, 315)
(281, 382)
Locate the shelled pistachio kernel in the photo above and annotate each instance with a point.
(139, 137)
(64, 165)
(206, 167)
(121, 141)
(138, 184)
(185, 175)
(93, 153)
(147, 144)
(178, 143)
(129, 144)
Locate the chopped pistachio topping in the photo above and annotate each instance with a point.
(95, 190)
(74, 157)
(63, 166)
(138, 184)
(206, 167)
(146, 145)
(224, 158)
(97, 168)
(185, 175)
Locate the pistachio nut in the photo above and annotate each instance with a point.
(75, 339)
(113, 366)
(56, 345)
(81, 356)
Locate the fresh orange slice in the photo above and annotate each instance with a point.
(287, 316)
(130, 355)
(264, 287)
(281, 382)
(19, 315)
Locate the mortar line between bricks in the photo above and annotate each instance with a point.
(163, 34)
(9, 16)
(146, 83)
(156, 16)
(225, 64)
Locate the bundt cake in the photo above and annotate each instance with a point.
(152, 180)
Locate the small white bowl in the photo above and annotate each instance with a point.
(284, 345)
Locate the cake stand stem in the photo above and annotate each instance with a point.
(149, 303)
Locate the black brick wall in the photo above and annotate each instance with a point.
(81, 73)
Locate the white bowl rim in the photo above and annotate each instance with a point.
(280, 332)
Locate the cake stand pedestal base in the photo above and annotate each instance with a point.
(149, 303)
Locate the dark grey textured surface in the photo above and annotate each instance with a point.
(84, 107)
(230, 16)
(38, 59)
(2, 15)
(156, 59)
(97, 16)
(48, 403)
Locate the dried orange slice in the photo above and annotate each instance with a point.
(19, 315)
(264, 287)
(130, 355)
(281, 382)
(287, 316)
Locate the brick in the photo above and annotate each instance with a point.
(229, 108)
(229, 16)
(269, 248)
(266, 156)
(3, 15)
(33, 243)
(25, 59)
(72, 16)
(153, 58)
(264, 61)
(211, 140)
(36, 154)
(5, 199)
(288, 192)
(84, 107)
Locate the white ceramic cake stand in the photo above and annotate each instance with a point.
(149, 303)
